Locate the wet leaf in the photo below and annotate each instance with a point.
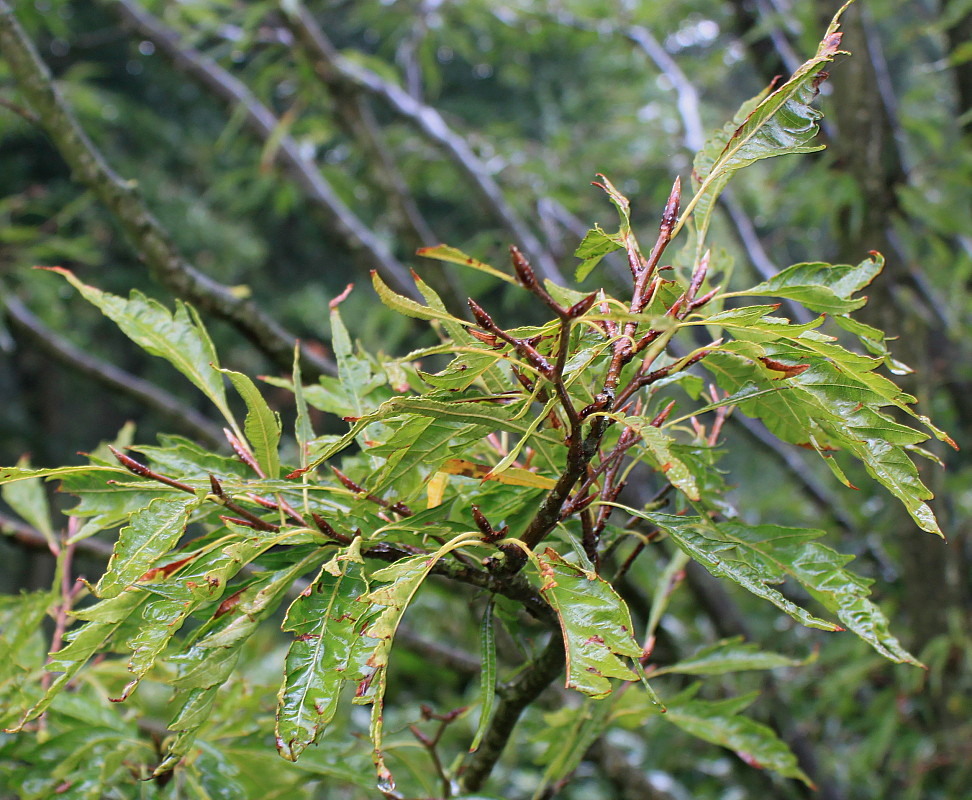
(179, 338)
(595, 624)
(759, 557)
(329, 650)
(261, 426)
(719, 722)
(729, 655)
(152, 531)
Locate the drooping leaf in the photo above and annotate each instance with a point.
(81, 644)
(728, 655)
(719, 722)
(834, 403)
(28, 498)
(658, 444)
(183, 586)
(329, 650)
(487, 678)
(179, 338)
(759, 557)
(261, 426)
(211, 659)
(594, 622)
(824, 288)
(152, 531)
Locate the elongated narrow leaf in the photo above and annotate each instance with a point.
(758, 557)
(329, 649)
(179, 338)
(779, 124)
(658, 444)
(210, 661)
(834, 402)
(444, 252)
(261, 426)
(82, 643)
(487, 677)
(407, 306)
(303, 430)
(152, 532)
(13, 474)
(180, 588)
(595, 624)
(719, 722)
(729, 655)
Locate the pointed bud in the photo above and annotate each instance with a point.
(581, 307)
(481, 316)
(670, 214)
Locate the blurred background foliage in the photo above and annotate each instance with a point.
(532, 98)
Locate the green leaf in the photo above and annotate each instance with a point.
(420, 445)
(179, 338)
(443, 252)
(12, 474)
(328, 650)
(180, 588)
(407, 306)
(261, 426)
(356, 378)
(487, 678)
(728, 655)
(719, 722)
(28, 498)
(778, 124)
(824, 288)
(303, 430)
(757, 557)
(152, 532)
(595, 624)
(210, 661)
(593, 247)
(834, 403)
(658, 444)
(81, 644)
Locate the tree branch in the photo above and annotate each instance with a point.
(265, 125)
(125, 202)
(148, 394)
(430, 123)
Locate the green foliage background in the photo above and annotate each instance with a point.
(546, 95)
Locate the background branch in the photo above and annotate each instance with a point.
(153, 397)
(125, 202)
(430, 123)
(262, 122)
